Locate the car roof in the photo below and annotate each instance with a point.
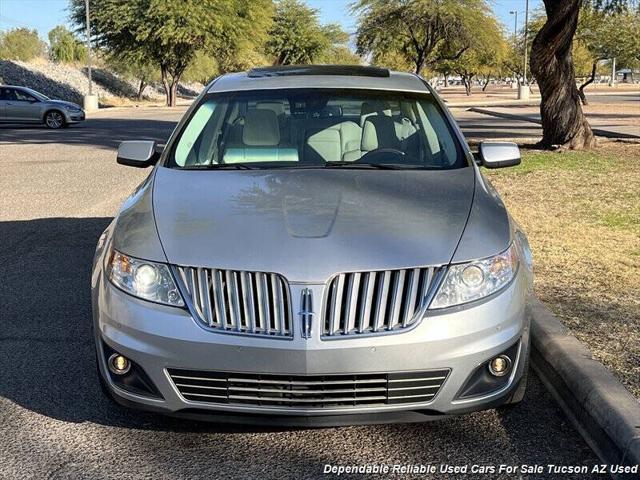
(318, 76)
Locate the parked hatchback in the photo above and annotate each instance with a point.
(314, 246)
(24, 105)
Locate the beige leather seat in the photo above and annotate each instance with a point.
(334, 143)
(260, 140)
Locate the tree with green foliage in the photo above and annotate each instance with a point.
(337, 51)
(484, 56)
(605, 35)
(138, 69)
(425, 32)
(391, 59)
(513, 61)
(563, 121)
(296, 36)
(202, 69)
(169, 33)
(65, 47)
(20, 44)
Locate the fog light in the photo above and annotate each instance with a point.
(500, 366)
(119, 364)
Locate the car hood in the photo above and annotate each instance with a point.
(310, 224)
(63, 103)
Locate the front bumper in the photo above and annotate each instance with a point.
(158, 338)
(74, 117)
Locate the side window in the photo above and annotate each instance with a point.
(7, 94)
(23, 96)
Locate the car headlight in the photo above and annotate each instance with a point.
(474, 280)
(143, 279)
(72, 108)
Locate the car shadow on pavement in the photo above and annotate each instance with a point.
(95, 132)
(48, 363)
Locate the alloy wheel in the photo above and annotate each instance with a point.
(54, 120)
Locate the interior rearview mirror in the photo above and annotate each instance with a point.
(499, 154)
(138, 153)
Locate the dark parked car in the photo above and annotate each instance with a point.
(24, 105)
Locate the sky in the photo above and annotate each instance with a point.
(43, 15)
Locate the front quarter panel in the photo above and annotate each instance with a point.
(135, 232)
(488, 230)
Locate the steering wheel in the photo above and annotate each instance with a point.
(370, 156)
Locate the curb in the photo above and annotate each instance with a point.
(600, 407)
(524, 118)
(495, 103)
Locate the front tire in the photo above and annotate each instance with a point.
(54, 119)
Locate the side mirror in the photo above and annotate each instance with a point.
(499, 154)
(138, 153)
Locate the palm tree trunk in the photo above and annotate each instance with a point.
(563, 122)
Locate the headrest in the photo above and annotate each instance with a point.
(379, 132)
(407, 110)
(374, 108)
(261, 128)
(275, 106)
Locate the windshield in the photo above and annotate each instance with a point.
(38, 95)
(311, 128)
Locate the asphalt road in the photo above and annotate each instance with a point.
(59, 191)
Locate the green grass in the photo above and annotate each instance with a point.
(581, 211)
(533, 161)
(595, 170)
(623, 220)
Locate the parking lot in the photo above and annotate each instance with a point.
(60, 189)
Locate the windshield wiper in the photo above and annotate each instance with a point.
(373, 166)
(221, 166)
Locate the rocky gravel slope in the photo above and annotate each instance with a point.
(69, 82)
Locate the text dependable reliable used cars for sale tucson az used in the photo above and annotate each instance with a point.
(315, 245)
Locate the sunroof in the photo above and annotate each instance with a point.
(289, 70)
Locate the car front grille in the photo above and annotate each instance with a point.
(375, 302)
(238, 301)
(308, 391)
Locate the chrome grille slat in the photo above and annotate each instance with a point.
(247, 300)
(352, 302)
(381, 302)
(411, 296)
(303, 392)
(232, 295)
(396, 299)
(336, 305)
(308, 391)
(242, 302)
(278, 303)
(319, 382)
(208, 387)
(420, 387)
(368, 301)
(263, 303)
(205, 295)
(305, 400)
(375, 302)
(416, 379)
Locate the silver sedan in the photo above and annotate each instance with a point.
(314, 246)
(24, 105)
